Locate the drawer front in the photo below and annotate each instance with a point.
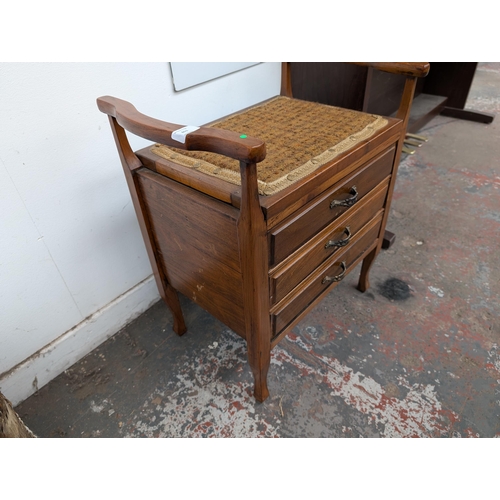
(333, 239)
(313, 286)
(300, 227)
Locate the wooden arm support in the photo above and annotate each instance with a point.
(224, 142)
(415, 69)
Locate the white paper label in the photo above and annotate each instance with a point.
(180, 134)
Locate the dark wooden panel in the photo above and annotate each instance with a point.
(384, 93)
(467, 114)
(337, 84)
(452, 80)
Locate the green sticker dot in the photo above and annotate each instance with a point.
(243, 136)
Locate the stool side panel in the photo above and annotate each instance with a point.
(196, 238)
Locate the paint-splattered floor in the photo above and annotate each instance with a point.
(418, 355)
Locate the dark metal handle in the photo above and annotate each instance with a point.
(342, 242)
(339, 277)
(348, 202)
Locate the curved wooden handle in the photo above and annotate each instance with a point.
(416, 69)
(224, 142)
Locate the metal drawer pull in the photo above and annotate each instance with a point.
(342, 242)
(339, 277)
(348, 202)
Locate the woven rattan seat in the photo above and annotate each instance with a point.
(300, 137)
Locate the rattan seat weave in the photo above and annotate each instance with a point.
(300, 137)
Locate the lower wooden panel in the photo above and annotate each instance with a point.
(210, 284)
(197, 246)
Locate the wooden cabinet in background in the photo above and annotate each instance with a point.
(443, 91)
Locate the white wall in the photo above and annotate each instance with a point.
(73, 267)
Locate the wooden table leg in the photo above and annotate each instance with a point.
(467, 114)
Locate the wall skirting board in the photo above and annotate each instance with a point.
(27, 377)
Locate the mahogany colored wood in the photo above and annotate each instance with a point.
(413, 69)
(277, 338)
(252, 237)
(131, 163)
(205, 248)
(364, 277)
(214, 242)
(301, 297)
(210, 139)
(286, 80)
(298, 265)
(303, 224)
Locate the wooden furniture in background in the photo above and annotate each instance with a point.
(259, 263)
(443, 91)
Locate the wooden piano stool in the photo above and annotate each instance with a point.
(258, 216)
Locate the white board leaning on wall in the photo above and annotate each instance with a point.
(189, 74)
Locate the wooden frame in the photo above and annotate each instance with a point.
(227, 269)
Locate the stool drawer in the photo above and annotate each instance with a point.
(334, 238)
(335, 268)
(301, 226)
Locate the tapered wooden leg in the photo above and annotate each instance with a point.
(364, 282)
(171, 298)
(259, 361)
(252, 238)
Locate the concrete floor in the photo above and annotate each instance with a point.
(418, 355)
